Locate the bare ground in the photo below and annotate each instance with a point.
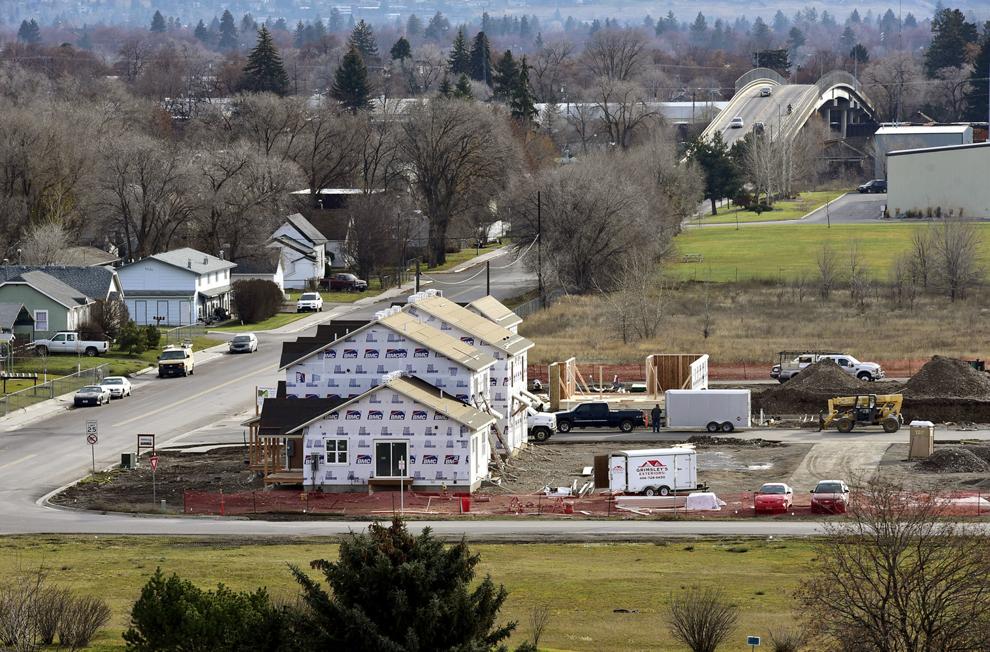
(896, 467)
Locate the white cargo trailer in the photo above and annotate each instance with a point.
(654, 472)
(716, 410)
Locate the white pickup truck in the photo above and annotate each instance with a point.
(70, 342)
(541, 426)
(791, 363)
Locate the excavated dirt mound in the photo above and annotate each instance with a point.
(809, 390)
(953, 460)
(948, 378)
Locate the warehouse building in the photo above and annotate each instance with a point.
(890, 138)
(939, 182)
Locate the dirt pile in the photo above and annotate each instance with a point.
(708, 441)
(948, 378)
(809, 390)
(953, 460)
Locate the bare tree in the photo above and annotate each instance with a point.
(674, 188)
(539, 618)
(458, 154)
(547, 73)
(45, 243)
(270, 122)
(426, 70)
(623, 109)
(583, 117)
(948, 93)
(639, 298)
(921, 254)
(701, 618)
(956, 245)
(787, 639)
(896, 576)
(328, 148)
(893, 83)
(379, 166)
(379, 230)
(828, 271)
(617, 55)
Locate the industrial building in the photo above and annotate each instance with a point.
(939, 182)
(890, 138)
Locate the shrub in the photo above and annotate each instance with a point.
(81, 618)
(256, 300)
(132, 339)
(152, 336)
(109, 316)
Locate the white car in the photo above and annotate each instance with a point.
(118, 386)
(309, 301)
(244, 343)
(766, 91)
(737, 123)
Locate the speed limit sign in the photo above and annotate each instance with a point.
(92, 427)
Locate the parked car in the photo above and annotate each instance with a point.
(309, 301)
(830, 497)
(344, 282)
(176, 361)
(70, 342)
(773, 497)
(598, 415)
(737, 123)
(766, 91)
(244, 343)
(91, 395)
(118, 386)
(875, 185)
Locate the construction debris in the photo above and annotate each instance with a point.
(953, 460)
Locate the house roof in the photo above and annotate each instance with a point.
(10, 314)
(90, 256)
(919, 130)
(265, 263)
(192, 260)
(95, 282)
(494, 310)
(415, 330)
(51, 287)
(942, 148)
(280, 416)
(306, 228)
(338, 328)
(332, 223)
(295, 245)
(325, 334)
(472, 323)
(422, 392)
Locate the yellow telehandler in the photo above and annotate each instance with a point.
(847, 412)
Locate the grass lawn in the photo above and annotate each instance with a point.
(787, 250)
(788, 209)
(583, 583)
(459, 258)
(374, 288)
(276, 321)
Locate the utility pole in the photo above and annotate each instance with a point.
(539, 245)
(417, 274)
(488, 277)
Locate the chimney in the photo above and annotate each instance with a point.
(189, 264)
(206, 260)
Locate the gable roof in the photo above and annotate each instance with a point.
(10, 314)
(306, 228)
(422, 392)
(279, 416)
(300, 248)
(95, 282)
(496, 311)
(52, 288)
(408, 326)
(333, 224)
(472, 323)
(265, 263)
(326, 334)
(90, 256)
(191, 260)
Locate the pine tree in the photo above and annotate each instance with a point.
(85, 42)
(29, 32)
(722, 178)
(363, 40)
(281, 25)
(201, 33)
(795, 39)
(506, 73)
(522, 104)
(437, 28)
(481, 59)
(158, 23)
(264, 72)
(854, 17)
(976, 97)
(248, 24)
(462, 90)
(910, 22)
(414, 26)
(228, 31)
(299, 36)
(848, 38)
(699, 29)
(459, 62)
(401, 50)
(350, 82)
(951, 34)
(444, 90)
(859, 54)
(336, 20)
(401, 589)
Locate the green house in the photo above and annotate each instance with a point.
(54, 305)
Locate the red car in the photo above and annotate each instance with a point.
(773, 497)
(344, 282)
(830, 497)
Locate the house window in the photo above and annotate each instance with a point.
(336, 451)
(40, 320)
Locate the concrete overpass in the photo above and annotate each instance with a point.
(837, 97)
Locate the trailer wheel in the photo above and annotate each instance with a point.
(845, 424)
(626, 425)
(727, 426)
(564, 426)
(712, 427)
(650, 491)
(891, 424)
(664, 491)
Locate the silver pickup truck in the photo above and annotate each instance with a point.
(70, 342)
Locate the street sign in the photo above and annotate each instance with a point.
(92, 427)
(753, 640)
(145, 441)
(92, 439)
(154, 462)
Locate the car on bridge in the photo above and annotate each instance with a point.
(737, 123)
(874, 185)
(766, 91)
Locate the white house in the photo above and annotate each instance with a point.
(303, 251)
(265, 268)
(509, 349)
(440, 440)
(176, 288)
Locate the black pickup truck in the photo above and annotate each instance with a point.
(597, 415)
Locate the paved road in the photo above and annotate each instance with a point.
(851, 208)
(787, 436)
(771, 111)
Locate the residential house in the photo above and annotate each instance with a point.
(58, 297)
(494, 310)
(16, 323)
(176, 288)
(265, 267)
(303, 251)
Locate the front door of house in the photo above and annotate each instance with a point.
(387, 456)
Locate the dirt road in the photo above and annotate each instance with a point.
(854, 462)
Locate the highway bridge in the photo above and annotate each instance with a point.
(837, 97)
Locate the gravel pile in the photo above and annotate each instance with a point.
(809, 390)
(948, 378)
(982, 452)
(953, 460)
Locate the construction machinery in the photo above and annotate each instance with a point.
(847, 412)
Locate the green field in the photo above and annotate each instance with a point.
(583, 583)
(787, 209)
(785, 251)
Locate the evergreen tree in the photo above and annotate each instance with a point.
(854, 18)
(760, 34)
(401, 50)
(248, 24)
(158, 23)
(462, 90)
(299, 36)
(848, 38)
(438, 27)
(336, 20)
(795, 39)
(201, 33)
(350, 82)
(780, 22)
(264, 72)
(459, 61)
(506, 73)
(951, 34)
(215, 25)
(363, 40)
(281, 25)
(976, 96)
(414, 26)
(722, 178)
(29, 32)
(319, 31)
(481, 59)
(85, 42)
(444, 90)
(522, 104)
(228, 31)
(910, 22)
(699, 30)
(859, 54)
(487, 25)
(401, 592)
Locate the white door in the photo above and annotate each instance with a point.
(185, 313)
(162, 313)
(140, 312)
(684, 471)
(617, 473)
